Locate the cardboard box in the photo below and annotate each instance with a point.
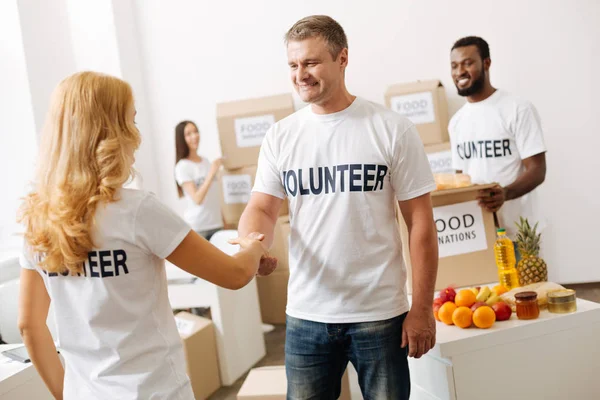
(272, 289)
(243, 124)
(236, 188)
(466, 237)
(200, 346)
(425, 104)
(440, 158)
(270, 383)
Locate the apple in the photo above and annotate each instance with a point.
(436, 308)
(447, 294)
(502, 310)
(437, 301)
(477, 305)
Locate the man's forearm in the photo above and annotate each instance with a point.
(525, 183)
(44, 357)
(424, 259)
(253, 219)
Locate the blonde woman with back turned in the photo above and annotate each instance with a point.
(95, 250)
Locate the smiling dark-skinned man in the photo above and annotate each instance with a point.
(496, 137)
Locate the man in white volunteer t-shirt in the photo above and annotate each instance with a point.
(496, 138)
(343, 163)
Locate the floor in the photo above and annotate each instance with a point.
(275, 342)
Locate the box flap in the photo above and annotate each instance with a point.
(436, 148)
(255, 106)
(461, 190)
(264, 383)
(413, 87)
(188, 324)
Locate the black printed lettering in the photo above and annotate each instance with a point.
(313, 188)
(342, 168)
(468, 220)
(454, 223)
(506, 147)
(484, 149)
(292, 175)
(354, 176)
(488, 149)
(497, 148)
(325, 180)
(367, 177)
(119, 260)
(440, 225)
(105, 263)
(93, 264)
(283, 182)
(468, 154)
(303, 190)
(381, 171)
(329, 180)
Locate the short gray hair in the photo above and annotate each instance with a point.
(319, 26)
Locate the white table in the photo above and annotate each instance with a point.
(553, 357)
(20, 381)
(235, 313)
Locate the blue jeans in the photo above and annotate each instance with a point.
(209, 233)
(517, 253)
(316, 356)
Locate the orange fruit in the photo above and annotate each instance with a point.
(462, 317)
(484, 317)
(465, 298)
(436, 309)
(499, 290)
(445, 312)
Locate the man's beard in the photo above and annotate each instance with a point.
(476, 86)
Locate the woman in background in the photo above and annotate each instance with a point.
(96, 251)
(196, 178)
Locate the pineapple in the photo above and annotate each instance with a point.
(531, 268)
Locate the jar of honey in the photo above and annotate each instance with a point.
(527, 305)
(562, 301)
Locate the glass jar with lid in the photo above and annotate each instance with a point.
(527, 305)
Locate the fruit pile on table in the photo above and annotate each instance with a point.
(478, 306)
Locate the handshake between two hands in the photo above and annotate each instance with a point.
(267, 263)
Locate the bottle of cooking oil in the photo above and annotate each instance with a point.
(504, 250)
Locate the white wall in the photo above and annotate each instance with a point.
(198, 53)
(16, 121)
(195, 54)
(41, 44)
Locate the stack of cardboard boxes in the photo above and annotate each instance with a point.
(242, 126)
(200, 347)
(466, 233)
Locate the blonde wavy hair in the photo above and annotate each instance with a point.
(86, 154)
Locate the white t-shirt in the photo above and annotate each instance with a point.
(115, 326)
(490, 139)
(342, 174)
(205, 216)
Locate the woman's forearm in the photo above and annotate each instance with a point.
(44, 357)
(202, 191)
